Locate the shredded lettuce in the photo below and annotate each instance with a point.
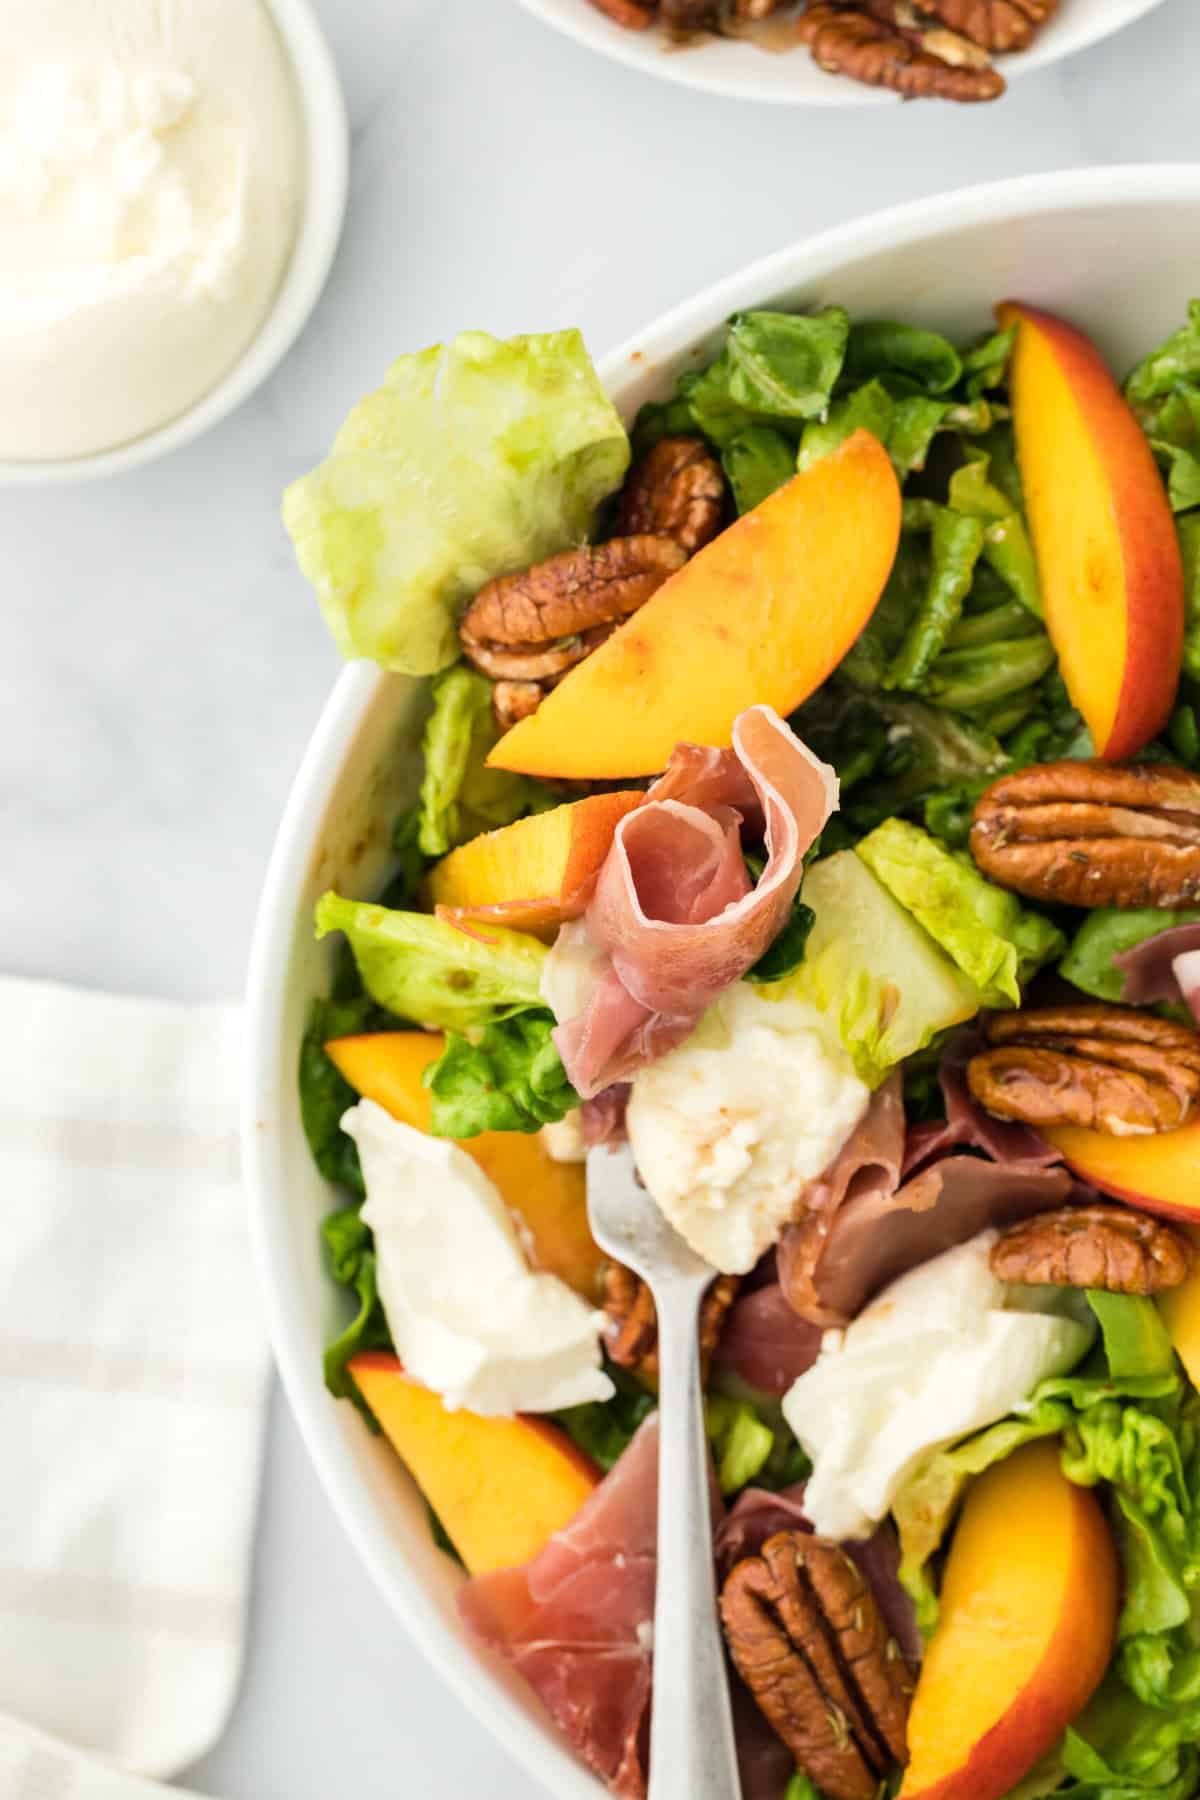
(350, 1257)
(775, 368)
(756, 462)
(740, 1441)
(1006, 542)
(995, 941)
(426, 970)
(473, 459)
(509, 1077)
(1164, 391)
(460, 795)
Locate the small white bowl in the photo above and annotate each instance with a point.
(744, 71)
(327, 173)
(1114, 249)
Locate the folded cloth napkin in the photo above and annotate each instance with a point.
(133, 1373)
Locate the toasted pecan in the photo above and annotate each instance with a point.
(677, 490)
(1109, 1247)
(807, 1638)
(634, 1340)
(845, 41)
(513, 701)
(1108, 1068)
(997, 25)
(570, 593)
(1093, 834)
(629, 13)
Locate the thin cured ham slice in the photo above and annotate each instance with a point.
(899, 1210)
(1163, 967)
(674, 918)
(766, 1343)
(578, 1621)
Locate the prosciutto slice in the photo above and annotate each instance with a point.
(903, 1208)
(765, 1342)
(577, 1621)
(674, 918)
(1163, 967)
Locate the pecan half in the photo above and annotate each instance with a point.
(924, 32)
(1091, 834)
(999, 25)
(629, 13)
(676, 491)
(807, 1638)
(1110, 1247)
(527, 630)
(630, 1305)
(1105, 1067)
(845, 41)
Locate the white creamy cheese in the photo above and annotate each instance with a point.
(468, 1317)
(942, 1352)
(151, 175)
(727, 1128)
(563, 1139)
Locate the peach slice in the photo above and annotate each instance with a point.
(1028, 1619)
(763, 613)
(1107, 553)
(501, 1487)
(548, 1199)
(536, 873)
(1157, 1172)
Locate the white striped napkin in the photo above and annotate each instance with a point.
(133, 1370)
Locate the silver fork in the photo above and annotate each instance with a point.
(692, 1749)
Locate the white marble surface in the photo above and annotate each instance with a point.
(163, 663)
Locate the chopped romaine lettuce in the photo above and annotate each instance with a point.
(876, 973)
(740, 1441)
(604, 1429)
(1188, 527)
(996, 942)
(508, 1078)
(904, 356)
(460, 795)
(473, 459)
(756, 462)
(350, 1255)
(325, 1094)
(955, 546)
(1006, 542)
(774, 368)
(1104, 934)
(426, 970)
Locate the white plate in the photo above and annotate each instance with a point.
(1115, 249)
(743, 71)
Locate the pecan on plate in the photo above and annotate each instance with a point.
(634, 1340)
(883, 53)
(629, 13)
(925, 33)
(677, 490)
(1109, 1068)
(998, 25)
(1092, 834)
(807, 1638)
(534, 626)
(1109, 1247)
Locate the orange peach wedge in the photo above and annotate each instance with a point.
(547, 1198)
(501, 1487)
(763, 613)
(1028, 1619)
(1157, 1172)
(534, 874)
(1108, 557)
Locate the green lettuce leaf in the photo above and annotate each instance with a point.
(802, 1787)
(509, 1078)
(1159, 374)
(1006, 542)
(756, 462)
(604, 1429)
(904, 355)
(955, 546)
(473, 459)
(350, 1258)
(1135, 1338)
(876, 974)
(1188, 527)
(997, 943)
(1104, 934)
(460, 795)
(774, 368)
(423, 969)
(325, 1094)
(741, 1442)
(1164, 391)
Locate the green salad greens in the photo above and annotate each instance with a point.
(482, 457)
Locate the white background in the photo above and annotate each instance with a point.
(163, 663)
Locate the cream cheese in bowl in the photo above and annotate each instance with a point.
(151, 181)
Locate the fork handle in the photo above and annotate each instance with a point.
(692, 1748)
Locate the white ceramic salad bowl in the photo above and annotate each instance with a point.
(1116, 249)
(743, 71)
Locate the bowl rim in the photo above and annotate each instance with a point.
(354, 691)
(326, 157)
(635, 50)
